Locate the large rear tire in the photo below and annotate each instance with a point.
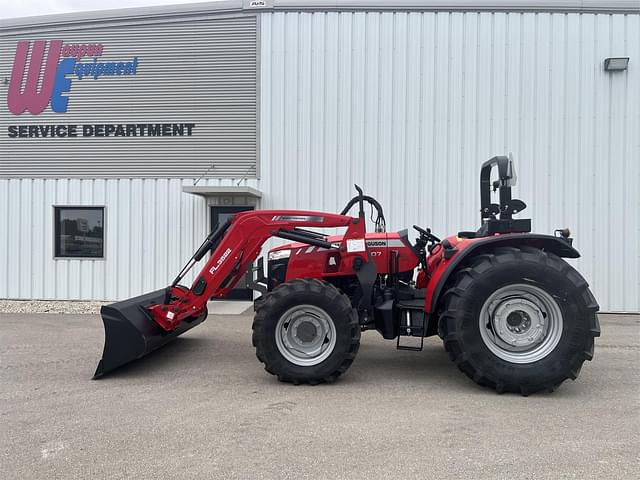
(306, 331)
(519, 320)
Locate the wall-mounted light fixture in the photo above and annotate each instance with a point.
(616, 64)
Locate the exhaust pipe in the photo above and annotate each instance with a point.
(130, 332)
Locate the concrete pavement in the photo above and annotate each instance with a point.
(203, 407)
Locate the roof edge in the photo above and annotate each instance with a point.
(246, 6)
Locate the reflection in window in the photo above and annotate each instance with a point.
(79, 232)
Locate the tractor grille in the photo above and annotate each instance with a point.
(276, 272)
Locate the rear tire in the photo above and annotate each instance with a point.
(306, 331)
(519, 320)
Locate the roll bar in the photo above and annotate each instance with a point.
(506, 180)
(507, 207)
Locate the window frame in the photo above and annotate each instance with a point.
(56, 231)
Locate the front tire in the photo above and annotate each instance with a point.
(306, 331)
(519, 320)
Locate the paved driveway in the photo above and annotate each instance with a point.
(202, 407)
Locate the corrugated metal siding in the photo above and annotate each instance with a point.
(409, 104)
(200, 71)
(151, 229)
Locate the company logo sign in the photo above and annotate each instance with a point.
(58, 66)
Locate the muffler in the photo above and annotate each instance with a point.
(130, 333)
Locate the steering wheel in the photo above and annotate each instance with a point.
(427, 234)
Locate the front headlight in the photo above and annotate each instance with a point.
(279, 254)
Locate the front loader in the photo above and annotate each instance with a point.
(513, 315)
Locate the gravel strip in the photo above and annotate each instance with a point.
(49, 306)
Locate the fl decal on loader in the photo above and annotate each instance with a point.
(513, 315)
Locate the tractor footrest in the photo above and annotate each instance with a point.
(411, 331)
(411, 348)
(412, 324)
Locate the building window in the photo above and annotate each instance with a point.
(79, 232)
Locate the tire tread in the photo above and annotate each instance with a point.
(451, 309)
(295, 287)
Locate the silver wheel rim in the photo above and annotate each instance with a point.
(305, 335)
(521, 323)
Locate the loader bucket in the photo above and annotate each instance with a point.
(130, 332)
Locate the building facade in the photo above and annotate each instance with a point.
(153, 124)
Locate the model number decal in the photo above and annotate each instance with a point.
(220, 261)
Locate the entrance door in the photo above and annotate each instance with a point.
(219, 215)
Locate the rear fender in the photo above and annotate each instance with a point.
(468, 248)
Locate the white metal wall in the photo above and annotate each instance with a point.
(409, 104)
(151, 229)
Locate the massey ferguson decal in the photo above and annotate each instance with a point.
(57, 75)
(44, 73)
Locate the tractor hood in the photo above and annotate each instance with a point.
(300, 260)
(373, 239)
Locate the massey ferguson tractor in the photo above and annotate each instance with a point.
(513, 315)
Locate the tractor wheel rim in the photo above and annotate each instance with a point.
(521, 323)
(305, 335)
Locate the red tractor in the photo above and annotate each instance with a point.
(513, 315)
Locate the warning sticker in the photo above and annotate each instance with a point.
(355, 245)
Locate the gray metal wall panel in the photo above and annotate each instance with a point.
(409, 104)
(201, 72)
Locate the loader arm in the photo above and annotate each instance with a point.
(238, 244)
(139, 325)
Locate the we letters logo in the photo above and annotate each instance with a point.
(43, 72)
